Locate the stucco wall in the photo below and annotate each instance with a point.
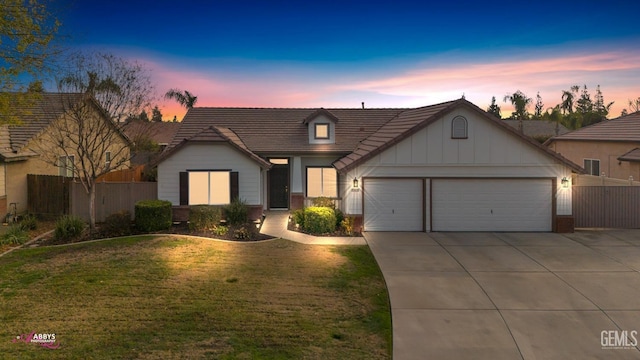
(605, 151)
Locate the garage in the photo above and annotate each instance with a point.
(393, 204)
(491, 205)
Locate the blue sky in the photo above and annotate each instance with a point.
(387, 54)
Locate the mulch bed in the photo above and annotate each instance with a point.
(179, 229)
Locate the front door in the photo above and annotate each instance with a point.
(279, 185)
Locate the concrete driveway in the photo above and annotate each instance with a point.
(512, 295)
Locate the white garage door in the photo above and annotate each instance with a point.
(491, 205)
(393, 204)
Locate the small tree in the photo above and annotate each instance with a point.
(494, 109)
(27, 30)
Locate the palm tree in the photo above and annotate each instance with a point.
(567, 99)
(184, 98)
(520, 101)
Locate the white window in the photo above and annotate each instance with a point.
(107, 159)
(65, 165)
(209, 187)
(459, 128)
(322, 182)
(592, 166)
(321, 131)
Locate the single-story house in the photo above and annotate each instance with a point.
(610, 147)
(445, 167)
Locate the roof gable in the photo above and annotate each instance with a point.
(411, 121)
(215, 134)
(320, 112)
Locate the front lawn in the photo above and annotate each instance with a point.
(171, 297)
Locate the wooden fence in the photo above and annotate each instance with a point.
(111, 197)
(57, 195)
(123, 175)
(48, 195)
(606, 206)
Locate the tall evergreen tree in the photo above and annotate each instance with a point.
(494, 109)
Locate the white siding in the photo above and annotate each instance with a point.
(209, 157)
(489, 151)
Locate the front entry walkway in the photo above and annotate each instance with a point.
(275, 224)
(512, 295)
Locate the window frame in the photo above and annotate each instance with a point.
(107, 159)
(66, 170)
(591, 163)
(315, 131)
(208, 195)
(454, 130)
(322, 183)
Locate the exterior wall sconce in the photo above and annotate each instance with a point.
(565, 182)
(355, 183)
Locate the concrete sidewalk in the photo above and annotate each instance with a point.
(275, 224)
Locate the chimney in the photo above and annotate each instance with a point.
(363, 105)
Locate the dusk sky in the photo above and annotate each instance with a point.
(386, 54)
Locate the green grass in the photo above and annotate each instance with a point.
(178, 298)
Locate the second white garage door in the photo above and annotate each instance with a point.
(491, 205)
(393, 205)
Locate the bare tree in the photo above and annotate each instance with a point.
(121, 87)
(96, 92)
(84, 142)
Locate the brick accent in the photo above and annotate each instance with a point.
(564, 224)
(3, 206)
(297, 201)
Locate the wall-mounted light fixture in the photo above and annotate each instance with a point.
(565, 182)
(355, 183)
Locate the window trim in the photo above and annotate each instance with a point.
(322, 182)
(107, 159)
(63, 170)
(233, 189)
(315, 131)
(590, 172)
(454, 133)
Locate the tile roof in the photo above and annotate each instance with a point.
(624, 128)
(37, 115)
(633, 155)
(538, 128)
(160, 132)
(280, 131)
(360, 133)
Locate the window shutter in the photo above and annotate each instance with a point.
(235, 187)
(184, 188)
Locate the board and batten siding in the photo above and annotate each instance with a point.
(209, 157)
(488, 152)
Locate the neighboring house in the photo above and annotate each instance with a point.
(160, 133)
(541, 130)
(610, 148)
(445, 167)
(23, 146)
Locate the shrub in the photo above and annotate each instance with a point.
(339, 217)
(245, 231)
(204, 217)
(15, 235)
(117, 224)
(221, 230)
(324, 201)
(319, 220)
(237, 212)
(153, 215)
(298, 217)
(69, 227)
(347, 225)
(29, 222)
